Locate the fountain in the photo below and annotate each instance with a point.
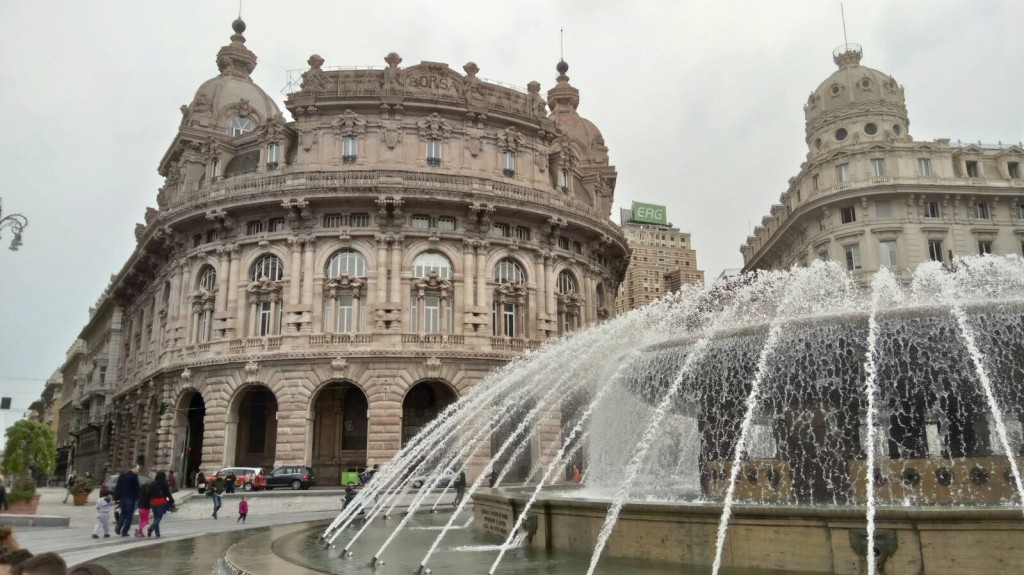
(803, 421)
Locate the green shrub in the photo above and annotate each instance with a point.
(83, 485)
(22, 491)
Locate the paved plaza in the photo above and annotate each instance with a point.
(193, 518)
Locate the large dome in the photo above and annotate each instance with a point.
(232, 93)
(854, 104)
(563, 100)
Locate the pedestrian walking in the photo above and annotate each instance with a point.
(200, 482)
(145, 507)
(103, 506)
(160, 499)
(575, 473)
(243, 510)
(216, 490)
(69, 484)
(172, 481)
(350, 494)
(126, 492)
(460, 487)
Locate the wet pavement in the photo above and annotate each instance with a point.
(193, 519)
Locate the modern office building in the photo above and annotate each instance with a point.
(870, 196)
(314, 290)
(662, 258)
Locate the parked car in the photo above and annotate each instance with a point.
(434, 479)
(246, 478)
(291, 476)
(111, 481)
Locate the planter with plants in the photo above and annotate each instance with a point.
(81, 489)
(31, 451)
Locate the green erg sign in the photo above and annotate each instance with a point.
(649, 213)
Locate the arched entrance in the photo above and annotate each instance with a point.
(518, 469)
(339, 431)
(256, 438)
(423, 402)
(189, 417)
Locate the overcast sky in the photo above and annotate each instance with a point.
(700, 103)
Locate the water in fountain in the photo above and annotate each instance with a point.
(790, 388)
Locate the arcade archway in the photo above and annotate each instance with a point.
(340, 427)
(256, 437)
(422, 404)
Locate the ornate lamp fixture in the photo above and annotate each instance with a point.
(16, 222)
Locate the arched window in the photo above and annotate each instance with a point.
(346, 262)
(508, 270)
(346, 273)
(203, 302)
(432, 310)
(265, 309)
(565, 284)
(241, 125)
(508, 314)
(269, 267)
(432, 262)
(569, 303)
(208, 279)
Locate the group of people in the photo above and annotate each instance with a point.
(216, 487)
(152, 500)
(14, 560)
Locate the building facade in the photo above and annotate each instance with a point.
(315, 291)
(662, 260)
(870, 196)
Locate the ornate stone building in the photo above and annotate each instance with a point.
(871, 196)
(315, 291)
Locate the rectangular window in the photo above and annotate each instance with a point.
(349, 150)
(216, 169)
(523, 233)
(878, 167)
(253, 228)
(273, 155)
(212, 236)
(420, 222)
(1020, 210)
(432, 314)
(931, 208)
(563, 242)
(984, 248)
(446, 224)
(852, 257)
(888, 254)
(277, 225)
(334, 221)
(843, 173)
(508, 164)
(360, 220)
(577, 247)
(924, 165)
(935, 250)
(848, 215)
(972, 169)
(816, 182)
(433, 152)
(500, 230)
(264, 318)
(1013, 170)
(345, 314)
(197, 240)
(981, 210)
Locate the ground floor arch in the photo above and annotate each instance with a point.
(189, 418)
(422, 404)
(253, 417)
(339, 431)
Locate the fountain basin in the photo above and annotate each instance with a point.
(793, 538)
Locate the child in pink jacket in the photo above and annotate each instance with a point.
(243, 510)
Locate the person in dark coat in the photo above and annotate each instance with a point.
(200, 482)
(160, 500)
(460, 487)
(229, 482)
(126, 492)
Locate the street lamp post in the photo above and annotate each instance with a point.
(16, 222)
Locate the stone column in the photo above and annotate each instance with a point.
(549, 285)
(468, 297)
(329, 313)
(357, 325)
(253, 315)
(174, 303)
(396, 271)
(382, 276)
(481, 273)
(224, 275)
(307, 270)
(295, 271)
(184, 306)
(443, 310)
(273, 316)
(237, 314)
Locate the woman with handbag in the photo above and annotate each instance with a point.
(200, 482)
(216, 490)
(160, 500)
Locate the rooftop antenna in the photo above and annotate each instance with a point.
(842, 13)
(240, 8)
(561, 44)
